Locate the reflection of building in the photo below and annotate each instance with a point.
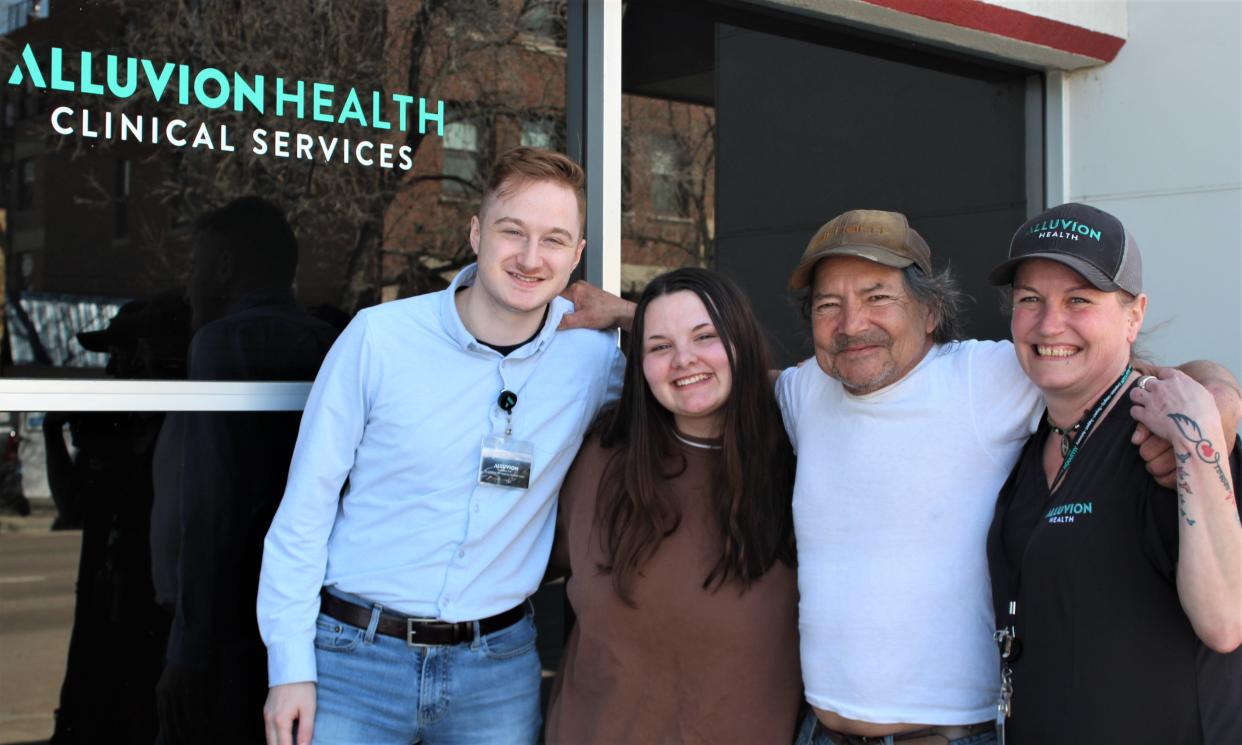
(668, 177)
(102, 217)
(108, 218)
(17, 13)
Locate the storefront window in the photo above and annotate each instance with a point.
(209, 191)
(370, 125)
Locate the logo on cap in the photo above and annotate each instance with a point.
(1062, 228)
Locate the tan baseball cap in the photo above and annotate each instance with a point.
(883, 237)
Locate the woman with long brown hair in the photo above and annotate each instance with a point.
(675, 529)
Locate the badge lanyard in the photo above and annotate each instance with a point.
(1006, 636)
(504, 461)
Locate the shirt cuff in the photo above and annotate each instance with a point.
(291, 663)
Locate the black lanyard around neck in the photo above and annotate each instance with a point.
(1088, 425)
(1007, 631)
(1093, 418)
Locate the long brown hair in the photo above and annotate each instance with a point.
(752, 477)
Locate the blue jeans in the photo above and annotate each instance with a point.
(376, 690)
(813, 733)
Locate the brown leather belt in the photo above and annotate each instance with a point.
(417, 631)
(945, 733)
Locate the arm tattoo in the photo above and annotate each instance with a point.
(1183, 488)
(1203, 448)
(1181, 508)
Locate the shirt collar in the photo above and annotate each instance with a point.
(456, 330)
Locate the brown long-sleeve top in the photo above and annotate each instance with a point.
(686, 665)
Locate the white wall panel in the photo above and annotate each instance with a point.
(1155, 137)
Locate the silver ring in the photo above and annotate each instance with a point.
(1142, 382)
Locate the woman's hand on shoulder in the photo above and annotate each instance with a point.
(1165, 401)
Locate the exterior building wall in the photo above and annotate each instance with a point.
(1153, 137)
(1052, 34)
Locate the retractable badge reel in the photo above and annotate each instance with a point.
(504, 460)
(1010, 650)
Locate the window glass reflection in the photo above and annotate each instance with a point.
(367, 123)
(233, 250)
(668, 185)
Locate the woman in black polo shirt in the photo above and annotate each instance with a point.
(1119, 602)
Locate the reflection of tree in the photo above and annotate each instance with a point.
(360, 227)
(659, 130)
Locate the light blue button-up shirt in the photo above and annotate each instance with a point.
(400, 408)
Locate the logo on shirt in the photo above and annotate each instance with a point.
(1067, 513)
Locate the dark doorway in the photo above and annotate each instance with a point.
(813, 119)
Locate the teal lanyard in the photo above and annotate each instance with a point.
(1087, 426)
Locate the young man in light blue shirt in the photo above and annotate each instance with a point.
(394, 609)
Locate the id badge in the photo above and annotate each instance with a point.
(506, 462)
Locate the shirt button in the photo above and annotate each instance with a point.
(461, 554)
(476, 508)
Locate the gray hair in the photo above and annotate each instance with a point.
(942, 297)
(939, 294)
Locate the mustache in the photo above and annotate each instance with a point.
(841, 342)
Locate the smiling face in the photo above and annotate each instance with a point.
(528, 240)
(1072, 339)
(685, 362)
(868, 331)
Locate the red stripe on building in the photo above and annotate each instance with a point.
(1013, 24)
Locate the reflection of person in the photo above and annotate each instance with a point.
(1126, 598)
(394, 586)
(905, 434)
(232, 471)
(675, 527)
(115, 647)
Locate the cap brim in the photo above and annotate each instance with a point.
(801, 277)
(1004, 273)
(94, 341)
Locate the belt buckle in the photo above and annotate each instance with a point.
(411, 632)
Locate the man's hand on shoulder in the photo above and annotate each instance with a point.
(595, 309)
(290, 706)
(1157, 453)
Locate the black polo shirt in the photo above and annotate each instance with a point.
(1107, 654)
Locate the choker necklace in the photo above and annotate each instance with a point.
(693, 444)
(1083, 431)
(1067, 435)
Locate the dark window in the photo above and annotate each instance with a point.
(668, 195)
(120, 200)
(542, 132)
(25, 183)
(463, 149)
(627, 159)
(544, 19)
